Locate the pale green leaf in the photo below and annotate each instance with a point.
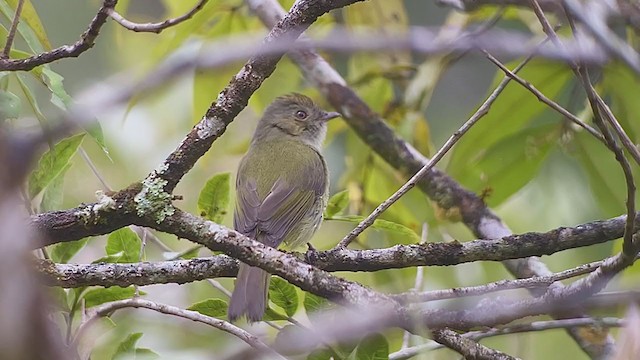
(213, 201)
(337, 203)
(126, 242)
(99, 296)
(52, 163)
(127, 348)
(216, 308)
(31, 18)
(63, 252)
(381, 224)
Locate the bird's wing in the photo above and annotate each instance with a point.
(282, 208)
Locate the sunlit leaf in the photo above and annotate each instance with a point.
(10, 106)
(99, 296)
(216, 308)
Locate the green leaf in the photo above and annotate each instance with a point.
(59, 97)
(52, 163)
(511, 163)
(313, 303)
(99, 296)
(31, 18)
(124, 241)
(25, 31)
(214, 198)
(59, 297)
(320, 354)
(284, 295)
(146, 354)
(510, 113)
(63, 252)
(381, 224)
(605, 176)
(622, 85)
(337, 203)
(216, 308)
(272, 315)
(127, 348)
(54, 193)
(10, 106)
(373, 347)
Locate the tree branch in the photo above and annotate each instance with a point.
(86, 42)
(155, 27)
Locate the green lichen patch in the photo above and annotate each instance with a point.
(152, 200)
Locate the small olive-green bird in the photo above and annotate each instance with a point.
(281, 190)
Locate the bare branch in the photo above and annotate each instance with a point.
(107, 309)
(159, 26)
(468, 348)
(86, 42)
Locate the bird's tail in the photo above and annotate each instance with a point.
(250, 294)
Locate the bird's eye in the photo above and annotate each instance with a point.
(301, 114)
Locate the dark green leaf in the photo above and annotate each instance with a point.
(373, 347)
(63, 252)
(605, 176)
(510, 113)
(337, 203)
(99, 296)
(52, 163)
(124, 241)
(216, 308)
(283, 294)
(214, 198)
(511, 163)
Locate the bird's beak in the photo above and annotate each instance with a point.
(330, 115)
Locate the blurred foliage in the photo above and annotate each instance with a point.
(517, 157)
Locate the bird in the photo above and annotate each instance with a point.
(282, 187)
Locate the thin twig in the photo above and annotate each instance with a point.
(410, 352)
(155, 27)
(552, 104)
(12, 30)
(457, 135)
(468, 348)
(107, 309)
